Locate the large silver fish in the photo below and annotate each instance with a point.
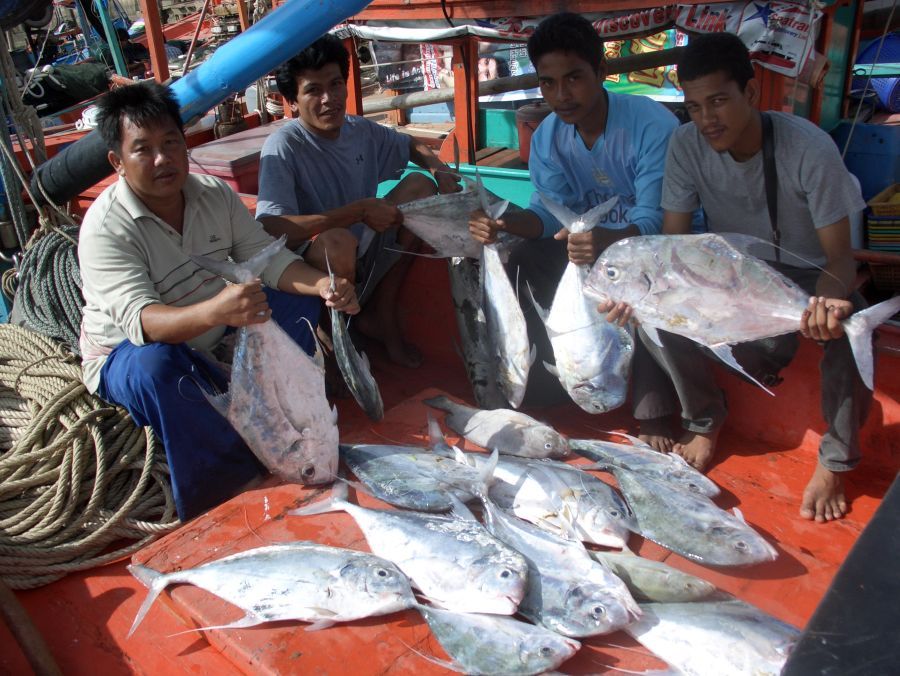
(281, 413)
(691, 524)
(725, 638)
(704, 288)
(639, 457)
(492, 645)
(593, 356)
(479, 360)
(649, 580)
(354, 366)
(510, 432)
(568, 591)
(294, 581)
(453, 561)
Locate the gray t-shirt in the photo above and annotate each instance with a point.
(814, 187)
(301, 173)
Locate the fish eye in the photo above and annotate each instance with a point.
(546, 651)
(548, 446)
(614, 512)
(597, 612)
(381, 572)
(505, 573)
(308, 471)
(612, 272)
(741, 546)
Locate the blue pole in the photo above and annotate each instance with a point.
(111, 38)
(267, 44)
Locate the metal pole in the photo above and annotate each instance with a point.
(190, 51)
(156, 40)
(111, 39)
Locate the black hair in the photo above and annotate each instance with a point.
(716, 53)
(327, 49)
(144, 103)
(567, 32)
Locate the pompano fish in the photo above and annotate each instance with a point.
(480, 363)
(726, 638)
(560, 499)
(649, 580)
(281, 413)
(593, 356)
(646, 460)
(294, 581)
(568, 592)
(510, 432)
(506, 328)
(453, 561)
(691, 524)
(412, 477)
(496, 646)
(354, 366)
(703, 288)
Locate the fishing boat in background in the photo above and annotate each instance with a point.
(455, 73)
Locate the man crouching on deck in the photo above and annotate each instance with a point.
(318, 176)
(717, 161)
(152, 316)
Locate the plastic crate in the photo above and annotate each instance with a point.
(882, 204)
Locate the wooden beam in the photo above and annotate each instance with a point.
(156, 42)
(354, 80)
(465, 99)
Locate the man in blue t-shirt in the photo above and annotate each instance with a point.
(318, 176)
(593, 146)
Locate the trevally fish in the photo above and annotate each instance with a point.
(493, 645)
(281, 413)
(649, 580)
(354, 366)
(568, 591)
(480, 363)
(638, 457)
(725, 638)
(593, 356)
(453, 561)
(293, 581)
(691, 524)
(702, 287)
(508, 431)
(506, 328)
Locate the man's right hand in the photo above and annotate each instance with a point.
(241, 305)
(483, 228)
(380, 215)
(616, 313)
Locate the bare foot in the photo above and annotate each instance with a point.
(823, 497)
(657, 432)
(696, 448)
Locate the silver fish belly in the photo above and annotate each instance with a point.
(649, 580)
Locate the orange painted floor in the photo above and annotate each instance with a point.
(768, 450)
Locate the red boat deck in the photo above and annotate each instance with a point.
(768, 451)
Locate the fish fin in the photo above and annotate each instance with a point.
(250, 269)
(542, 313)
(416, 253)
(220, 402)
(566, 217)
(723, 352)
(330, 271)
(334, 414)
(458, 509)
(486, 474)
(594, 214)
(652, 334)
(441, 403)
(322, 623)
(336, 502)
(532, 355)
(551, 368)
(435, 435)
(493, 211)
(248, 620)
(634, 440)
(446, 664)
(155, 581)
(460, 457)
(859, 328)
(739, 514)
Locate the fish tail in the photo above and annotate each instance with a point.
(435, 435)
(486, 473)
(155, 581)
(441, 403)
(859, 328)
(242, 272)
(336, 502)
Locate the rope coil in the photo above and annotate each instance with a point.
(76, 476)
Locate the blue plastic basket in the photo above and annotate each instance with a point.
(886, 88)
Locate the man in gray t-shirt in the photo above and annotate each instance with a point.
(318, 178)
(716, 162)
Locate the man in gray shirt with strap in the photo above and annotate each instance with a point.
(318, 177)
(717, 161)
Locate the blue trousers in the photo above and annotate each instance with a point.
(159, 384)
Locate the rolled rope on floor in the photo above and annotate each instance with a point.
(80, 479)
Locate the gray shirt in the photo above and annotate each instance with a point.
(301, 173)
(814, 187)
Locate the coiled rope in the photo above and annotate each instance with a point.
(77, 478)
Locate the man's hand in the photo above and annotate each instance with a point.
(240, 305)
(342, 298)
(583, 248)
(380, 215)
(616, 313)
(447, 181)
(821, 320)
(483, 228)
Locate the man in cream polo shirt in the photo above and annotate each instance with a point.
(152, 316)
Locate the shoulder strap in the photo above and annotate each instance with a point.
(771, 179)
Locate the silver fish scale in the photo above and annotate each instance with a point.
(650, 580)
(355, 369)
(691, 524)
